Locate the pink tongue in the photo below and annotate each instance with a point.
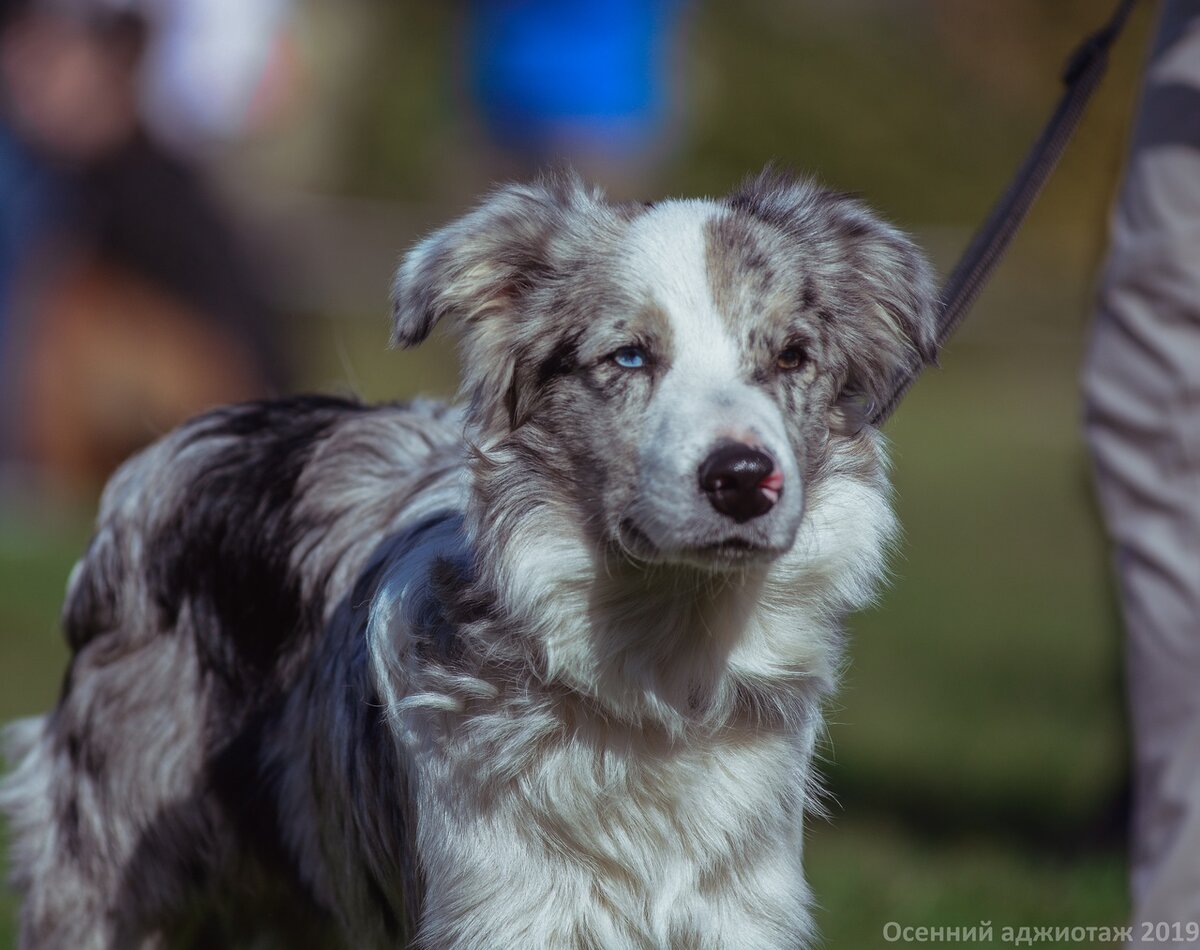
(772, 485)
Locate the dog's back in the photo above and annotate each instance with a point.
(147, 798)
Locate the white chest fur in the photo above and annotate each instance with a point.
(588, 835)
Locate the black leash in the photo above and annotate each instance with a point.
(1082, 75)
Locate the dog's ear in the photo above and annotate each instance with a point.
(488, 260)
(883, 309)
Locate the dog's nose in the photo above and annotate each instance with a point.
(740, 481)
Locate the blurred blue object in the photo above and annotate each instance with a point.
(27, 205)
(570, 74)
(25, 190)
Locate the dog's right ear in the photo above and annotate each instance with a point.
(488, 260)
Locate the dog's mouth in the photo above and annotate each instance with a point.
(728, 553)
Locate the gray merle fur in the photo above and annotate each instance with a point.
(359, 677)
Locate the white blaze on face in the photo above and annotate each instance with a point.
(705, 397)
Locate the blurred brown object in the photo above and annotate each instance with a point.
(113, 362)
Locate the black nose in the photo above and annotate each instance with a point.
(732, 477)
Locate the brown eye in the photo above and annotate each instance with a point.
(791, 358)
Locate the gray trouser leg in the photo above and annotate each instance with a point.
(1142, 390)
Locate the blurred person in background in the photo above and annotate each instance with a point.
(127, 300)
(1142, 390)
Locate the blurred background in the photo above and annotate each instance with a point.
(202, 201)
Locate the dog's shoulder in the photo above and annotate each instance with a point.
(236, 523)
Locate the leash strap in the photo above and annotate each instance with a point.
(1081, 76)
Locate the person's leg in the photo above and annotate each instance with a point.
(1142, 390)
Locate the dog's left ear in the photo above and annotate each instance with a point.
(483, 264)
(886, 311)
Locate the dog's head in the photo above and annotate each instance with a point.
(676, 373)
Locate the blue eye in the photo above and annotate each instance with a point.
(630, 357)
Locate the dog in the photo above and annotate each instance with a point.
(542, 669)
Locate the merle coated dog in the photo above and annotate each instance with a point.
(542, 670)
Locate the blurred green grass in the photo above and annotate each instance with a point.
(36, 554)
(867, 872)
